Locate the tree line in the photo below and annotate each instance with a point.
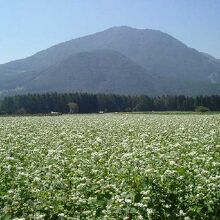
(91, 103)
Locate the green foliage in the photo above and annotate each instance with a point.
(110, 166)
(202, 109)
(91, 103)
(3, 113)
(74, 108)
(20, 111)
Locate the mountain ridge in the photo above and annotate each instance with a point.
(158, 53)
(114, 70)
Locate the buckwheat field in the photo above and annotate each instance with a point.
(110, 166)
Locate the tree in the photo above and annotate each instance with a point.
(20, 111)
(73, 107)
(144, 103)
(202, 109)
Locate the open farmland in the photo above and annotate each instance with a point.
(110, 166)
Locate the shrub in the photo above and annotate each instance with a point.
(21, 111)
(3, 113)
(202, 109)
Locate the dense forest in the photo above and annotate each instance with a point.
(91, 103)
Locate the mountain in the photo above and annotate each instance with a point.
(170, 66)
(100, 71)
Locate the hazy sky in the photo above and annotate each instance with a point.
(27, 26)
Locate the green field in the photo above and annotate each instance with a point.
(110, 166)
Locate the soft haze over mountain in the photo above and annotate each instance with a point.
(121, 60)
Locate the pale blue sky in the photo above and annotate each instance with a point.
(27, 26)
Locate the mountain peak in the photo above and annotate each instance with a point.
(129, 28)
(122, 27)
(149, 50)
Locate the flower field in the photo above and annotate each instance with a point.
(110, 166)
